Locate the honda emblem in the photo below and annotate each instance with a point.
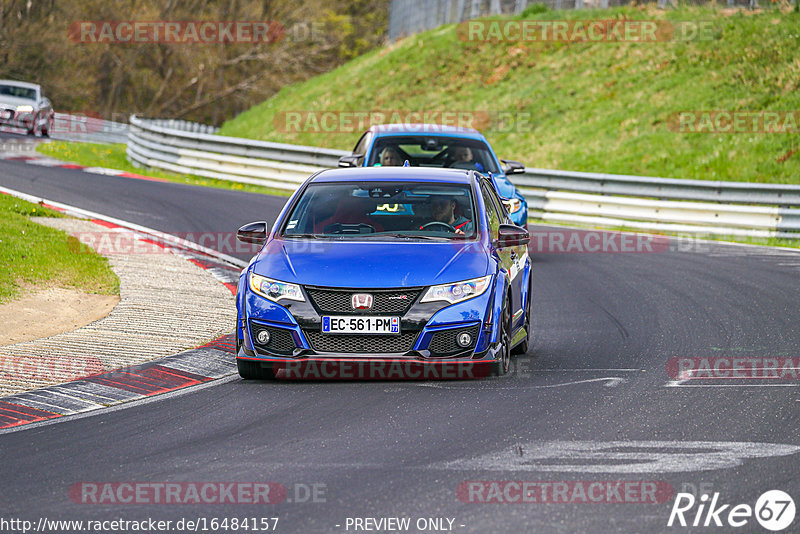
(361, 301)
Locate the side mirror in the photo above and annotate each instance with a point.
(350, 161)
(254, 232)
(512, 167)
(511, 236)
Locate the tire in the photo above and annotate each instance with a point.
(523, 347)
(253, 370)
(32, 129)
(500, 367)
(47, 129)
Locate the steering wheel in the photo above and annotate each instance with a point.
(447, 227)
(440, 156)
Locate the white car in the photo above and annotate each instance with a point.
(23, 105)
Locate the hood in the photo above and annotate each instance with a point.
(14, 101)
(504, 186)
(373, 264)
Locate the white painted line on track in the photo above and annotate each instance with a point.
(612, 381)
(681, 385)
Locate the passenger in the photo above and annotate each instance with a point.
(390, 157)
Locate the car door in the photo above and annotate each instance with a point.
(495, 217)
(512, 258)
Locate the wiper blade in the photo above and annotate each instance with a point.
(406, 236)
(310, 236)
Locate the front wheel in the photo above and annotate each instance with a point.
(253, 371)
(47, 129)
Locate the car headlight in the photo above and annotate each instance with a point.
(274, 290)
(513, 205)
(458, 291)
(24, 109)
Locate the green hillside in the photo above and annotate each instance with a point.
(589, 106)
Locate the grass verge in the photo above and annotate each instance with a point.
(598, 106)
(32, 254)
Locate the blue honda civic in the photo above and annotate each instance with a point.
(402, 268)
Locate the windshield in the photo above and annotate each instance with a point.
(383, 210)
(18, 92)
(433, 151)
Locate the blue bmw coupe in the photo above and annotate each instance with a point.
(443, 146)
(396, 265)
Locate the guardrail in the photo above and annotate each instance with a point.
(277, 165)
(565, 197)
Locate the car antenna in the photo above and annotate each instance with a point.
(406, 164)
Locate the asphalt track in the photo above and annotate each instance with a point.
(596, 376)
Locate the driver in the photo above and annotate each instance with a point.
(463, 158)
(461, 153)
(443, 209)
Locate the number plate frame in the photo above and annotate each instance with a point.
(367, 325)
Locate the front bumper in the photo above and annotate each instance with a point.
(429, 332)
(10, 117)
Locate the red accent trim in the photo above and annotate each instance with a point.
(365, 360)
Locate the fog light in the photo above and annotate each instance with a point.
(263, 337)
(464, 339)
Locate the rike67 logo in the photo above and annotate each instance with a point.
(774, 510)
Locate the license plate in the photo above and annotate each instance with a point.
(360, 325)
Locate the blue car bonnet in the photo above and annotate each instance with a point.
(373, 264)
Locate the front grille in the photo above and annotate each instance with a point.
(280, 341)
(367, 344)
(444, 343)
(395, 301)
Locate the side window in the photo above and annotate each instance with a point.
(491, 211)
(361, 146)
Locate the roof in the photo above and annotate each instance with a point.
(425, 129)
(379, 174)
(27, 85)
